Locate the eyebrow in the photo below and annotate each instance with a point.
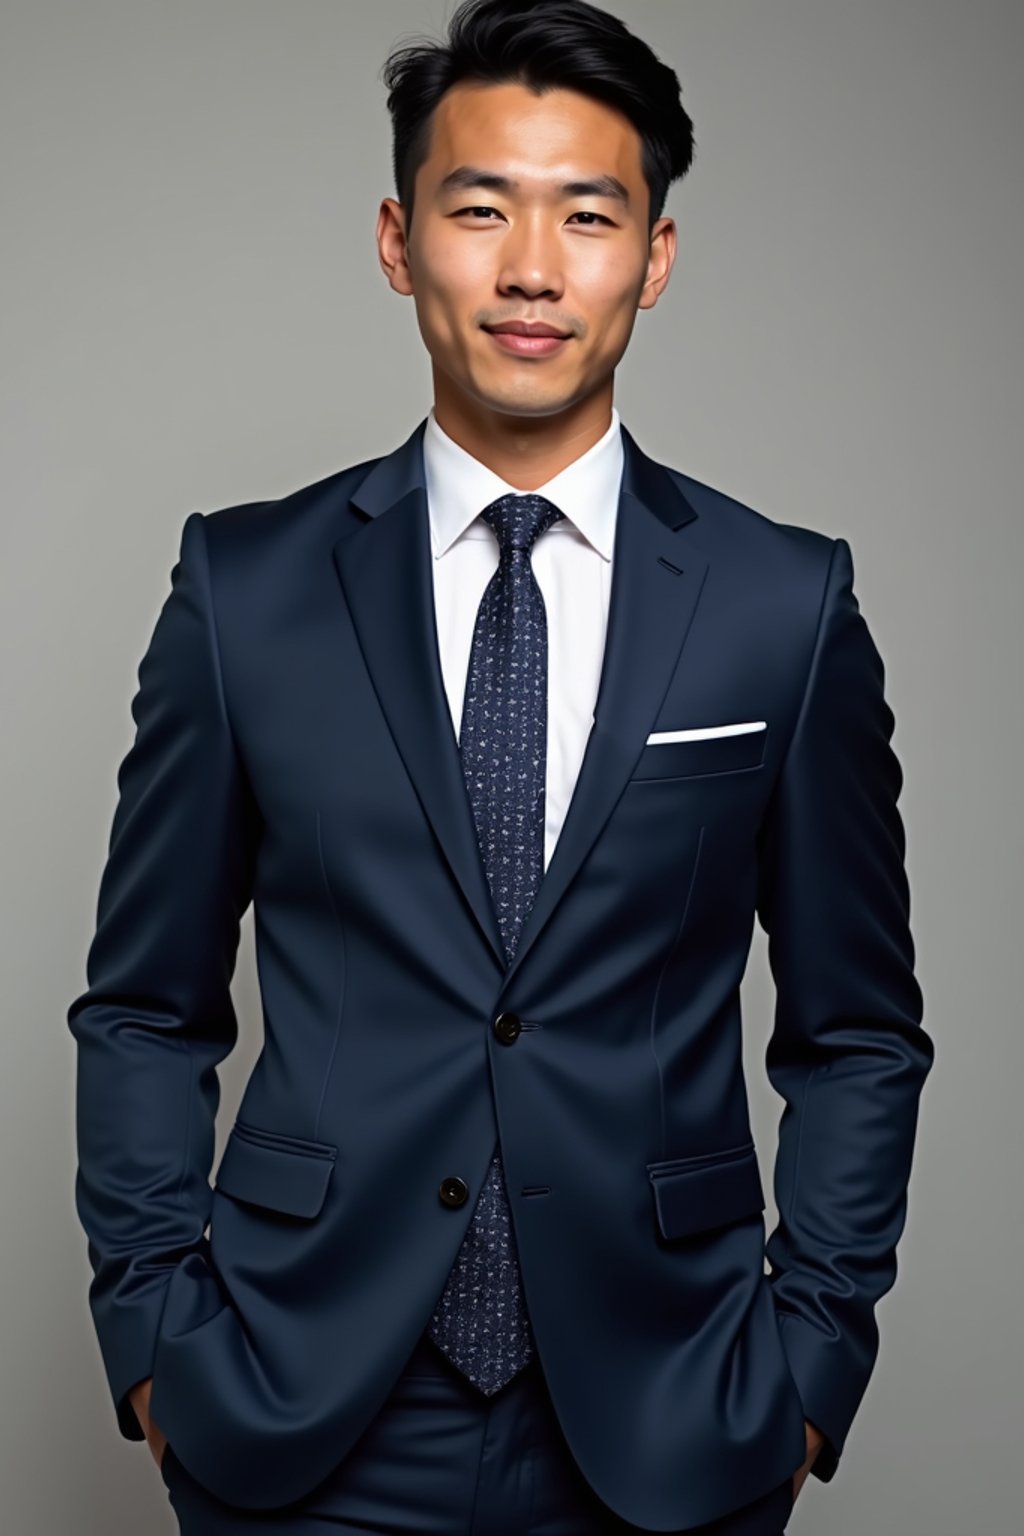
(465, 176)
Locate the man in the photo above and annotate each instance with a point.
(508, 735)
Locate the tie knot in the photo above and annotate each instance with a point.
(519, 521)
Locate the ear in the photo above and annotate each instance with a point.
(391, 246)
(659, 262)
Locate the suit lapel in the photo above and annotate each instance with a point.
(385, 569)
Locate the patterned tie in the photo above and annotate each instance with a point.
(481, 1322)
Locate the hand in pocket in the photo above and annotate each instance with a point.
(139, 1396)
(815, 1440)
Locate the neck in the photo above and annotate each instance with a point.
(526, 451)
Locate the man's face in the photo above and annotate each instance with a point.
(527, 209)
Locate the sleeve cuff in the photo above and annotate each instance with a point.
(827, 1460)
(829, 1398)
(128, 1419)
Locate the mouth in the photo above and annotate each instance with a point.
(526, 338)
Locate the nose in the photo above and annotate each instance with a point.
(531, 263)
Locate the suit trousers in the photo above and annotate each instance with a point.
(441, 1459)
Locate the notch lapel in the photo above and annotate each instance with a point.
(385, 569)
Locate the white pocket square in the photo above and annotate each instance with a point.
(705, 732)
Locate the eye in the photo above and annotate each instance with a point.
(484, 208)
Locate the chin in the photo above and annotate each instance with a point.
(526, 400)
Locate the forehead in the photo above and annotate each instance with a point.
(560, 134)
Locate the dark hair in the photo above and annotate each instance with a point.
(544, 44)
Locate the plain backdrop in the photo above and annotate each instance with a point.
(193, 316)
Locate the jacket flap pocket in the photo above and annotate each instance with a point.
(288, 1177)
(696, 1194)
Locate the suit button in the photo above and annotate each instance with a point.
(507, 1027)
(454, 1191)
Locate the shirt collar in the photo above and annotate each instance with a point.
(459, 487)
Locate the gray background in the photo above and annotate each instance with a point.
(193, 316)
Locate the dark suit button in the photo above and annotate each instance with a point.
(454, 1191)
(507, 1027)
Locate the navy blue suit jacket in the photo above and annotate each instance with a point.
(294, 748)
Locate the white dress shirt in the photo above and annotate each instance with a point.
(572, 561)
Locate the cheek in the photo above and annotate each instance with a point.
(451, 271)
(611, 316)
(449, 283)
(606, 288)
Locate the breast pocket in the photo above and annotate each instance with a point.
(697, 755)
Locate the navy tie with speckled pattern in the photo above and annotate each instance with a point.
(481, 1322)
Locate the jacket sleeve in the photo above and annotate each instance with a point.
(157, 1016)
(847, 1053)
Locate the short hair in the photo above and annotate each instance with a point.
(543, 44)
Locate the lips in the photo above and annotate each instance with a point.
(526, 328)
